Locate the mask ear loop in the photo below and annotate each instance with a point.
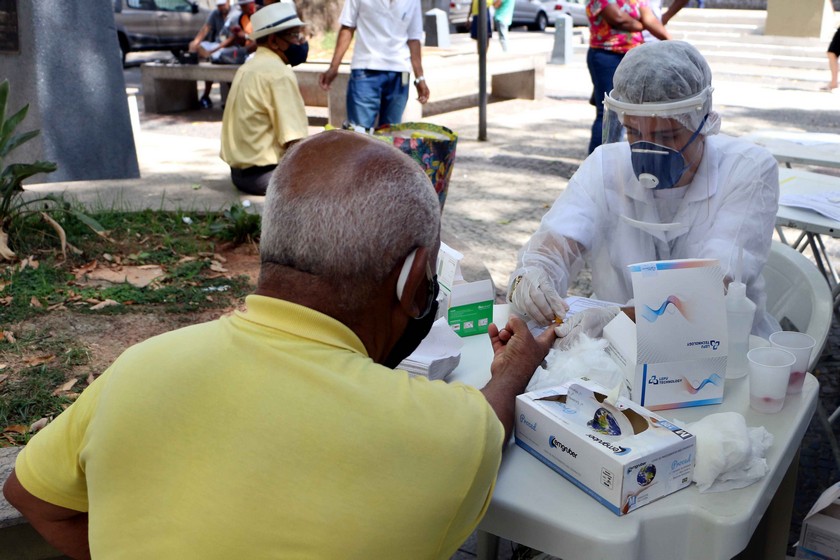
(403, 277)
(696, 133)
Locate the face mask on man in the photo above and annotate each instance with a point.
(418, 327)
(296, 54)
(657, 166)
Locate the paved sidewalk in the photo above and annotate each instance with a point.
(499, 188)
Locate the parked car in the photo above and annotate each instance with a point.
(156, 25)
(459, 12)
(575, 8)
(535, 14)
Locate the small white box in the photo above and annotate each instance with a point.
(820, 536)
(674, 356)
(624, 456)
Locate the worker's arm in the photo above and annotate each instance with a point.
(417, 67)
(652, 24)
(621, 20)
(342, 43)
(65, 529)
(675, 7)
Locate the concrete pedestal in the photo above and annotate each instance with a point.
(803, 18)
(562, 51)
(436, 26)
(68, 67)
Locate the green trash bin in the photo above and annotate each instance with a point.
(431, 146)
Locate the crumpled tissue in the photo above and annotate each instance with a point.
(585, 358)
(730, 454)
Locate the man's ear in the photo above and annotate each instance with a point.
(411, 283)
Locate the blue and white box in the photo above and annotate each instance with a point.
(621, 454)
(674, 356)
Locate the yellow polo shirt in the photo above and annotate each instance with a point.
(264, 111)
(268, 434)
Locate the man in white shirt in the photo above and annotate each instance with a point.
(387, 50)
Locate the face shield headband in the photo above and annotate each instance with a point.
(660, 167)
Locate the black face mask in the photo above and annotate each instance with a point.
(296, 54)
(416, 330)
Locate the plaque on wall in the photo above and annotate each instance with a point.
(9, 38)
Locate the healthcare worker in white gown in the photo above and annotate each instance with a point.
(664, 185)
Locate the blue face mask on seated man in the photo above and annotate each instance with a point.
(296, 54)
(657, 166)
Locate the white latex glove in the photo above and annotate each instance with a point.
(589, 321)
(534, 297)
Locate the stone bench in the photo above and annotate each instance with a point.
(169, 88)
(452, 79)
(17, 537)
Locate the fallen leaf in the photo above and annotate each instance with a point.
(90, 378)
(218, 257)
(9, 438)
(137, 276)
(93, 301)
(5, 376)
(181, 261)
(38, 360)
(35, 303)
(106, 303)
(107, 257)
(56, 306)
(216, 266)
(16, 428)
(66, 387)
(6, 300)
(3, 286)
(29, 262)
(38, 425)
(9, 336)
(80, 272)
(196, 186)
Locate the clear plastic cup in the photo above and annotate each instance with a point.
(800, 345)
(769, 377)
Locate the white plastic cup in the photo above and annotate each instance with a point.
(800, 345)
(769, 377)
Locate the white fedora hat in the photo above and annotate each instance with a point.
(273, 18)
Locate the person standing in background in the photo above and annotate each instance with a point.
(473, 21)
(615, 27)
(833, 53)
(656, 8)
(503, 17)
(387, 49)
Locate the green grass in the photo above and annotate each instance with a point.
(182, 244)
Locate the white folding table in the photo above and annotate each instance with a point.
(535, 506)
(805, 148)
(812, 225)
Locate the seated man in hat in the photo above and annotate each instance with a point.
(264, 113)
(282, 430)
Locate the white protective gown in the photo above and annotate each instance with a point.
(731, 202)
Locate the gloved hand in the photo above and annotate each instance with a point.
(533, 295)
(590, 322)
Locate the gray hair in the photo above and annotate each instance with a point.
(351, 240)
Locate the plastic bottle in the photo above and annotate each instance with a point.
(740, 311)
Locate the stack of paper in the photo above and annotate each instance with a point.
(437, 355)
(825, 203)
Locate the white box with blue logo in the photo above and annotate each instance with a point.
(674, 356)
(621, 454)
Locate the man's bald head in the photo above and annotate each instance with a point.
(346, 208)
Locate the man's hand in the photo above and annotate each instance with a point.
(422, 92)
(326, 78)
(516, 355)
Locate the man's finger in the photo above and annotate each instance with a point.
(546, 338)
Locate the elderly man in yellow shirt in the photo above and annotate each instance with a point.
(265, 113)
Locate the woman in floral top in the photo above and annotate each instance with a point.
(615, 27)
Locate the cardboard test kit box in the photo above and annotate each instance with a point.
(675, 354)
(820, 536)
(622, 455)
(469, 304)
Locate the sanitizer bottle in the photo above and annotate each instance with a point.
(740, 311)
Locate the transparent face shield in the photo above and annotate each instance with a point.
(665, 147)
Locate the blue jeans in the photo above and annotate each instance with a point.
(601, 64)
(376, 92)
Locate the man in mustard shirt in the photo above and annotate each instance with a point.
(264, 113)
(282, 431)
